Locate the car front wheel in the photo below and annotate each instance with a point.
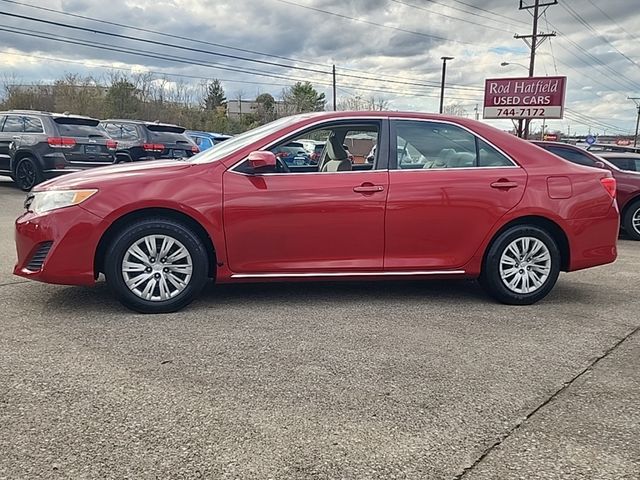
(521, 266)
(156, 266)
(631, 221)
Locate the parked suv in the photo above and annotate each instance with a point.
(206, 140)
(139, 140)
(35, 146)
(628, 183)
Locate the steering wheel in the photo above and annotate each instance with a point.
(281, 166)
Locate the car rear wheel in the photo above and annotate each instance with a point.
(631, 220)
(156, 266)
(521, 266)
(27, 174)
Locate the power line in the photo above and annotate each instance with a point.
(612, 20)
(203, 42)
(380, 25)
(432, 12)
(198, 50)
(580, 19)
(142, 53)
(479, 9)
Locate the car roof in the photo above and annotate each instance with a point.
(207, 134)
(46, 114)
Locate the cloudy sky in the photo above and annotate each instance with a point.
(387, 48)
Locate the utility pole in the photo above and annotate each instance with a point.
(444, 75)
(477, 112)
(534, 40)
(335, 107)
(636, 100)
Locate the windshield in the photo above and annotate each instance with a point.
(240, 141)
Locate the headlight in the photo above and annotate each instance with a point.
(51, 200)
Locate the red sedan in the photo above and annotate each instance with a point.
(444, 197)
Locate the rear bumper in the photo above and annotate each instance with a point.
(593, 241)
(74, 233)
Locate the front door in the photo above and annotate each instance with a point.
(447, 189)
(309, 221)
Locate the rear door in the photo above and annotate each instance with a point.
(447, 189)
(91, 144)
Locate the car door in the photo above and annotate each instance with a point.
(12, 128)
(447, 189)
(306, 222)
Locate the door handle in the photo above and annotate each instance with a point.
(368, 188)
(504, 184)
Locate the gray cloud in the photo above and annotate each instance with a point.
(295, 32)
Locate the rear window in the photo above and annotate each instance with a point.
(79, 127)
(626, 163)
(167, 134)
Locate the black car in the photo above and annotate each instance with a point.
(139, 140)
(35, 146)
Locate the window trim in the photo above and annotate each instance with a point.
(393, 143)
(383, 139)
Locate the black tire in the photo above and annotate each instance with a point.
(491, 277)
(116, 251)
(632, 213)
(27, 174)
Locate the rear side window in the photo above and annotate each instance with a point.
(572, 155)
(33, 125)
(14, 124)
(79, 127)
(626, 163)
(431, 145)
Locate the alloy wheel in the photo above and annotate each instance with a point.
(26, 174)
(525, 265)
(635, 221)
(157, 267)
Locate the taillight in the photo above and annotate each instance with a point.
(112, 144)
(195, 149)
(61, 142)
(609, 185)
(153, 147)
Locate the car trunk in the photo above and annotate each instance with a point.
(90, 144)
(169, 141)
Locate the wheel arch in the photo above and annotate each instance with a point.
(629, 203)
(181, 217)
(549, 226)
(21, 154)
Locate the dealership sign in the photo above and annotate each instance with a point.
(529, 97)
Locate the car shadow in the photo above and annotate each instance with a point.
(99, 300)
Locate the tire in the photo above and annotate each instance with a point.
(27, 174)
(526, 282)
(157, 285)
(631, 220)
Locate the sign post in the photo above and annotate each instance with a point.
(524, 98)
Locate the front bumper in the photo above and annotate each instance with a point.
(74, 234)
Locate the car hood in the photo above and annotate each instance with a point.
(95, 177)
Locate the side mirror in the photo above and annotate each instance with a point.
(259, 160)
(599, 164)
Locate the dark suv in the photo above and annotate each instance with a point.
(35, 146)
(138, 140)
(628, 183)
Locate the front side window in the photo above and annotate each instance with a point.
(434, 145)
(341, 147)
(14, 124)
